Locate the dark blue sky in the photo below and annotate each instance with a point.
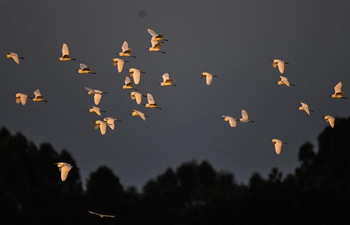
(233, 40)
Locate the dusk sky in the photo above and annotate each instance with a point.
(233, 40)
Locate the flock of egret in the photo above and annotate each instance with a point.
(157, 41)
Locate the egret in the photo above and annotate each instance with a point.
(278, 145)
(100, 124)
(245, 117)
(21, 98)
(14, 56)
(126, 51)
(65, 53)
(166, 80)
(156, 46)
(151, 103)
(128, 84)
(37, 96)
(305, 107)
(101, 215)
(110, 121)
(330, 119)
(97, 94)
(119, 63)
(136, 96)
(208, 77)
(135, 112)
(135, 74)
(94, 109)
(155, 36)
(232, 121)
(279, 63)
(338, 92)
(64, 168)
(284, 81)
(84, 69)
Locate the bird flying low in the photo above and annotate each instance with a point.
(208, 77)
(94, 109)
(100, 124)
(101, 215)
(126, 51)
(84, 69)
(338, 92)
(110, 122)
(65, 53)
(151, 102)
(232, 121)
(64, 168)
(284, 81)
(245, 117)
(136, 75)
(156, 46)
(134, 95)
(97, 94)
(135, 112)
(330, 119)
(280, 64)
(166, 80)
(128, 84)
(21, 98)
(14, 56)
(155, 36)
(37, 96)
(119, 63)
(278, 145)
(305, 107)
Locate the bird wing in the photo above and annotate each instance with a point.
(138, 97)
(127, 80)
(307, 110)
(37, 93)
(83, 66)
(154, 43)
(285, 80)
(125, 46)
(278, 146)
(208, 78)
(231, 121)
(281, 66)
(103, 127)
(110, 122)
(111, 216)
(136, 76)
(120, 65)
(14, 56)
(97, 98)
(90, 89)
(165, 77)
(151, 32)
(331, 121)
(94, 213)
(304, 105)
(97, 124)
(24, 99)
(337, 87)
(244, 114)
(274, 63)
(65, 50)
(142, 115)
(64, 171)
(150, 99)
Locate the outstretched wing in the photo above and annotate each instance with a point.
(278, 146)
(83, 66)
(337, 88)
(24, 99)
(125, 46)
(151, 32)
(127, 80)
(97, 98)
(136, 76)
(285, 81)
(138, 97)
(165, 77)
(65, 50)
(37, 93)
(150, 99)
(244, 114)
(64, 172)
(281, 66)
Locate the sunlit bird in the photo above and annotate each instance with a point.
(134, 95)
(101, 215)
(64, 168)
(128, 84)
(155, 36)
(245, 117)
(110, 121)
(14, 56)
(21, 98)
(37, 96)
(126, 51)
(151, 102)
(94, 109)
(100, 124)
(338, 92)
(330, 119)
(97, 94)
(278, 145)
(65, 53)
(84, 69)
(166, 80)
(135, 112)
(119, 63)
(232, 121)
(284, 81)
(135, 74)
(156, 45)
(279, 63)
(208, 77)
(305, 107)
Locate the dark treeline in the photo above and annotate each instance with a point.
(318, 192)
